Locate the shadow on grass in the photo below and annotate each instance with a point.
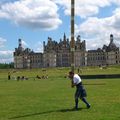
(47, 112)
(94, 84)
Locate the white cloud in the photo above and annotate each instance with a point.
(99, 30)
(115, 20)
(117, 2)
(2, 42)
(6, 52)
(84, 8)
(44, 14)
(35, 14)
(38, 47)
(6, 56)
(24, 44)
(95, 30)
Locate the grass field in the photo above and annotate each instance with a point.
(53, 98)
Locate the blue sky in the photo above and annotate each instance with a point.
(35, 20)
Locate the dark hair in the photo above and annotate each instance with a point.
(71, 72)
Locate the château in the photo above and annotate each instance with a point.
(58, 54)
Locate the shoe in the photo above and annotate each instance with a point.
(88, 106)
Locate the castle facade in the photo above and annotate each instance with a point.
(58, 54)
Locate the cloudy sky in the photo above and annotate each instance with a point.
(34, 20)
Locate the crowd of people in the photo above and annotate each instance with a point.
(13, 77)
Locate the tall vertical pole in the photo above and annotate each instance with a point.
(72, 35)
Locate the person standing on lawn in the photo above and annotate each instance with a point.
(80, 90)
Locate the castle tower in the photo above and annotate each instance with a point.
(79, 38)
(64, 37)
(111, 38)
(20, 42)
(44, 46)
(20, 47)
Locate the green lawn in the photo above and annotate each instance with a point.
(53, 98)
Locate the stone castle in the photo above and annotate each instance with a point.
(58, 54)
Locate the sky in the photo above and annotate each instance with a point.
(34, 21)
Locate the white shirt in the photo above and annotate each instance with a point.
(76, 79)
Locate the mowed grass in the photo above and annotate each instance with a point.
(53, 98)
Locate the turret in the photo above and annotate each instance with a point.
(78, 38)
(20, 47)
(20, 43)
(111, 38)
(44, 46)
(64, 37)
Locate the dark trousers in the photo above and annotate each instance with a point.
(80, 93)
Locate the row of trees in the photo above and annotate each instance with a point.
(6, 65)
